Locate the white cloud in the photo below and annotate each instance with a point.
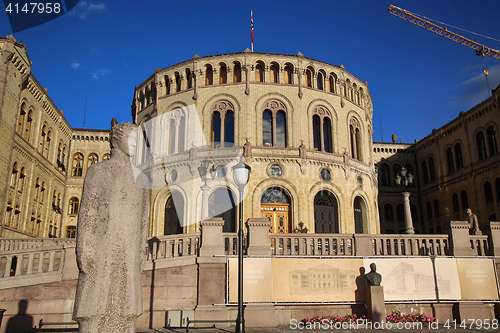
(100, 74)
(75, 65)
(83, 9)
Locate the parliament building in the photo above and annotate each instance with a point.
(305, 128)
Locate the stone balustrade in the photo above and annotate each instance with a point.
(23, 259)
(312, 244)
(172, 246)
(409, 245)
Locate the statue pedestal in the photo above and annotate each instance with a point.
(375, 303)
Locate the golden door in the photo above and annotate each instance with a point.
(278, 214)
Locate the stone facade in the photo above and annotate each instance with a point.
(326, 125)
(455, 167)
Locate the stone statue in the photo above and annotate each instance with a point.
(473, 224)
(111, 241)
(373, 278)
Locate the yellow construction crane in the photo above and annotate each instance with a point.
(480, 49)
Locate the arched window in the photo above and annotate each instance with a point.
(174, 215)
(491, 134)
(222, 123)
(267, 129)
(29, 121)
(458, 156)
(425, 173)
(74, 205)
(93, 159)
(42, 193)
(288, 74)
(71, 231)
(319, 81)
(481, 146)
(8, 214)
(317, 132)
(395, 172)
(216, 128)
(456, 205)
(325, 213)
(17, 212)
(182, 134)
(274, 127)
(221, 203)
(59, 152)
(223, 74)
(400, 213)
(237, 72)
(36, 192)
(42, 139)
(47, 145)
(189, 78)
(360, 219)
(488, 192)
(436, 208)
(309, 77)
(429, 211)
(384, 175)
(355, 135)
(465, 200)
(332, 82)
(13, 176)
(105, 157)
(432, 170)
(172, 135)
(209, 76)
(21, 181)
(77, 165)
(20, 119)
(449, 160)
(259, 73)
(167, 85)
(274, 73)
(178, 82)
(275, 206)
(388, 214)
(327, 135)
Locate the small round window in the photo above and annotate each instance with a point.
(220, 171)
(275, 170)
(172, 176)
(325, 174)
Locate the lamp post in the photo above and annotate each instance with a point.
(405, 179)
(241, 174)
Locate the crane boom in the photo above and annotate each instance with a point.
(406, 15)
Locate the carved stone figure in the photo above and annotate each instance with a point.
(373, 278)
(111, 241)
(473, 224)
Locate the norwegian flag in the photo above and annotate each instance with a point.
(251, 20)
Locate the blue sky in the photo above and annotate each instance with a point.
(418, 80)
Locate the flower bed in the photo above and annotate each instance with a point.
(335, 319)
(398, 317)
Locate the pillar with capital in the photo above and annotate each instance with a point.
(408, 222)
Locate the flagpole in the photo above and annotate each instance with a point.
(251, 21)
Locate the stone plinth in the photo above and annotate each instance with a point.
(375, 303)
(443, 312)
(459, 238)
(476, 311)
(258, 236)
(212, 242)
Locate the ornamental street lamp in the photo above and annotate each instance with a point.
(241, 174)
(405, 179)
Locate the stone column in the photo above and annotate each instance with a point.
(258, 236)
(204, 201)
(375, 303)
(408, 221)
(459, 239)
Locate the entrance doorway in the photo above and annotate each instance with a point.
(275, 206)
